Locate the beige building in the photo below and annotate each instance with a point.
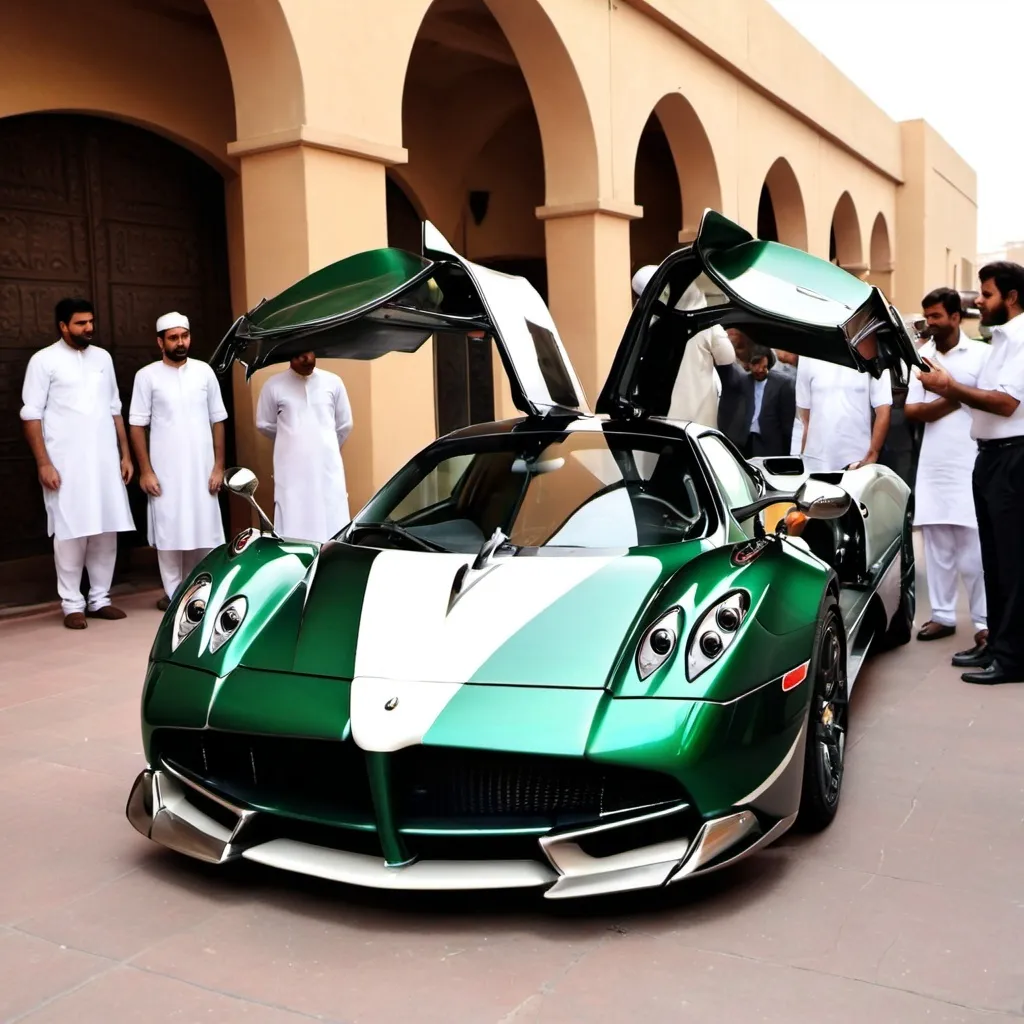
(202, 154)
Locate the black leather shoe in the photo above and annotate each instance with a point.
(992, 676)
(979, 656)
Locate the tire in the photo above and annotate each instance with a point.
(900, 630)
(827, 723)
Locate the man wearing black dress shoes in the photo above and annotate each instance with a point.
(997, 413)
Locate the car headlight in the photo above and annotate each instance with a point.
(191, 609)
(658, 643)
(229, 618)
(715, 632)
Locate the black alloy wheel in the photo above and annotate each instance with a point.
(827, 723)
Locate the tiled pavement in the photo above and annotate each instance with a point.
(910, 908)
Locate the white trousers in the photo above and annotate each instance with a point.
(951, 552)
(98, 554)
(176, 565)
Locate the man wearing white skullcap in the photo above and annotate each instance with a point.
(697, 386)
(182, 466)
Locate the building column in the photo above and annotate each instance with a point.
(881, 278)
(309, 200)
(589, 282)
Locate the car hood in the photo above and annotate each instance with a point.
(552, 621)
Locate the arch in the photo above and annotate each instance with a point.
(195, 110)
(95, 207)
(696, 168)
(528, 40)
(656, 191)
(880, 256)
(845, 244)
(782, 216)
(266, 72)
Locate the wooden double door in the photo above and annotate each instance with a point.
(95, 208)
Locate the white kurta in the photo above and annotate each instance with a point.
(840, 401)
(309, 419)
(942, 491)
(178, 404)
(74, 393)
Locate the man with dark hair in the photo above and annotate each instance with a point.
(944, 507)
(177, 400)
(997, 415)
(758, 403)
(72, 417)
(846, 415)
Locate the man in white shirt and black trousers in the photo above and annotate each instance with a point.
(997, 414)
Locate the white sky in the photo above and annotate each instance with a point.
(957, 64)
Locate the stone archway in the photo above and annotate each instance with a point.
(781, 216)
(105, 210)
(477, 162)
(846, 248)
(695, 164)
(656, 191)
(880, 255)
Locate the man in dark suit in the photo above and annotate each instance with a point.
(758, 404)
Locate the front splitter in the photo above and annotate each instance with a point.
(164, 806)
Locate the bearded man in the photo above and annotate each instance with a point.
(71, 413)
(181, 468)
(997, 424)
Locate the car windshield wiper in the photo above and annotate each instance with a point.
(400, 531)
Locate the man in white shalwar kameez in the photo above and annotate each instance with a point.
(845, 414)
(71, 413)
(182, 468)
(944, 502)
(306, 412)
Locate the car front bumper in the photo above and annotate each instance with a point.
(174, 810)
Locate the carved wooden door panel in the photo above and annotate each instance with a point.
(95, 208)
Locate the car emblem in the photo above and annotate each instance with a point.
(391, 704)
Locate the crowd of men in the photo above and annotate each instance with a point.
(967, 404)
(71, 412)
(961, 423)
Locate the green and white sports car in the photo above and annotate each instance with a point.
(584, 652)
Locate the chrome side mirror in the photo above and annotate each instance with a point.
(243, 482)
(820, 500)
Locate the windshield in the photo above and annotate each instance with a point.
(582, 490)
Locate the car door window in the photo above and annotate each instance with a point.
(737, 484)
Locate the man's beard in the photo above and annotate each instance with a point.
(996, 317)
(81, 340)
(177, 355)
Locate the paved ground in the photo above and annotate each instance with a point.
(910, 908)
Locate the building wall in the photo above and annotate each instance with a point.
(305, 106)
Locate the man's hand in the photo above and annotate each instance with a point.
(741, 343)
(216, 479)
(149, 483)
(872, 456)
(127, 469)
(936, 380)
(49, 477)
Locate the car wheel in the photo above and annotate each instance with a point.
(902, 626)
(826, 724)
